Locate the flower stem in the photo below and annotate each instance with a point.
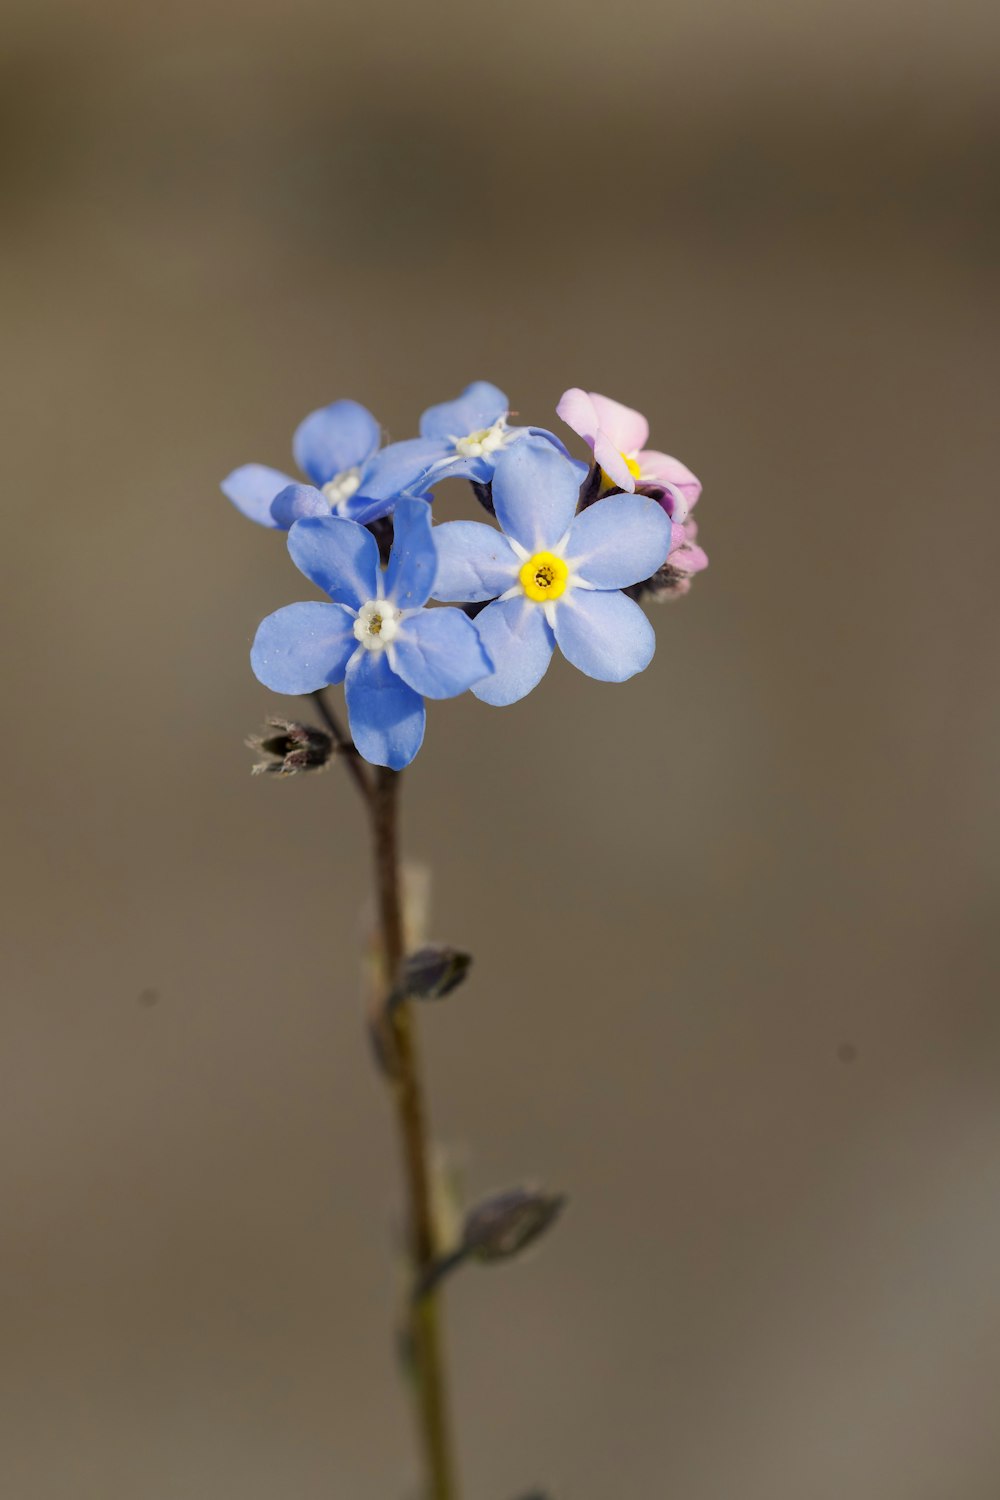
(344, 744)
(424, 1315)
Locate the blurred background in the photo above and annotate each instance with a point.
(735, 924)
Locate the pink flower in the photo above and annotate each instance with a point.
(616, 435)
(685, 558)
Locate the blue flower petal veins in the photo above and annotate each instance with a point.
(475, 562)
(619, 541)
(252, 490)
(535, 493)
(386, 716)
(518, 639)
(343, 435)
(409, 577)
(605, 635)
(339, 556)
(406, 468)
(439, 653)
(303, 647)
(295, 502)
(478, 407)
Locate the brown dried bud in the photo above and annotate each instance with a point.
(289, 748)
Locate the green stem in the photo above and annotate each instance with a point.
(425, 1332)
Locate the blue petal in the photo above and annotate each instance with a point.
(619, 541)
(296, 502)
(401, 469)
(475, 562)
(386, 716)
(303, 647)
(252, 489)
(340, 556)
(517, 636)
(456, 467)
(550, 437)
(409, 576)
(482, 469)
(535, 492)
(343, 435)
(479, 406)
(605, 635)
(439, 653)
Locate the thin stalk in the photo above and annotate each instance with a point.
(425, 1332)
(352, 759)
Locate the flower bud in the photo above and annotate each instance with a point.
(289, 748)
(433, 972)
(381, 530)
(496, 1229)
(484, 494)
(506, 1224)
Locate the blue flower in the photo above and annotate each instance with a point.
(337, 447)
(459, 440)
(376, 637)
(554, 576)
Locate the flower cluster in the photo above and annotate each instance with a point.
(571, 553)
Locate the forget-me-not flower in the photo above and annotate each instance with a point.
(460, 439)
(617, 436)
(338, 448)
(554, 576)
(375, 636)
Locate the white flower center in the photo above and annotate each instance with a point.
(484, 442)
(341, 487)
(377, 624)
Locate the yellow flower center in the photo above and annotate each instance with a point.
(632, 464)
(543, 577)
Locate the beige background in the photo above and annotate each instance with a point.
(735, 923)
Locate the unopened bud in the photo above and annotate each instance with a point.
(289, 748)
(496, 1229)
(434, 971)
(508, 1223)
(382, 531)
(668, 582)
(484, 494)
(591, 489)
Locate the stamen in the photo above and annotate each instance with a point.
(484, 442)
(341, 487)
(377, 624)
(544, 577)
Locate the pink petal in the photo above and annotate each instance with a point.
(626, 428)
(612, 462)
(671, 499)
(660, 468)
(577, 410)
(689, 559)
